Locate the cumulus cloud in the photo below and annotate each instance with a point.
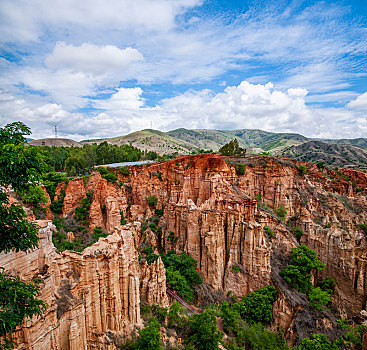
(359, 103)
(246, 106)
(91, 58)
(26, 21)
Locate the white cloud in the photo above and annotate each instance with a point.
(246, 106)
(27, 20)
(91, 58)
(359, 103)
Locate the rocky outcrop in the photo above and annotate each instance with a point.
(219, 217)
(74, 194)
(89, 295)
(153, 283)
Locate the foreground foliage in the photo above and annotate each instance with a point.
(20, 167)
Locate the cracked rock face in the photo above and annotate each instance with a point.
(219, 218)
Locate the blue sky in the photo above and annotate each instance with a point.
(107, 68)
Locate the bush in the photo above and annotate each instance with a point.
(298, 273)
(34, 195)
(302, 169)
(241, 169)
(204, 333)
(97, 232)
(327, 284)
(319, 298)
(256, 337)
(181, 273)
(102, 170)
(124, 170)
(321, 165)
(257, 306)
(152, 200)
(150, 337)
(268, 232)
(298, 233)
(280, 212)
(317, 342)
(110, 177)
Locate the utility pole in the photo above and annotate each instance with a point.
(151, 124)
(55, 131)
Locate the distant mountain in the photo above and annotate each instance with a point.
(360, 142)
(55, 142)
(339, 152)
(256, 140)
(150, 140)
(343, 155)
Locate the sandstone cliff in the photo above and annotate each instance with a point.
(217, 216)
(89, 295)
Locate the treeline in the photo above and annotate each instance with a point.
(76, 160)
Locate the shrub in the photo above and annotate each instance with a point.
(152, 200)
(298, 233)
(110, 177)
(150, 337)
(319, 298)
(257, 306)
(181, 273)
(123, 221)
(256, 337)
(34, 195)
(235, 268)
(298, 273)
(327, 284)
(97, 232)
(320, 165)
(317, 342)
(124, 170)
(280, 212)
(241, 169)
(102, 170)
(302, 169)
(268, 232)
(204, 332)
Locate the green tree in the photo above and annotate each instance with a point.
(317, 342)
(20, 167)
(204, 332)
(298, 273)
(319, 298)
(150, 338)
(232, 149)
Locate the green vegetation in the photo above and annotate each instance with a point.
(241, 169)
(302, 168)
(204, 333)
(152, 200)
(82, 211)
(34, 196)
(298, 273)
(181, 273)
(298, 233)
(232, 149)
(150, 257)
(20, 167)
(150, 337)
(268, 232)
(110, 177)
(124, 170)
(77, 160)
(280, 212)
(317, 342)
